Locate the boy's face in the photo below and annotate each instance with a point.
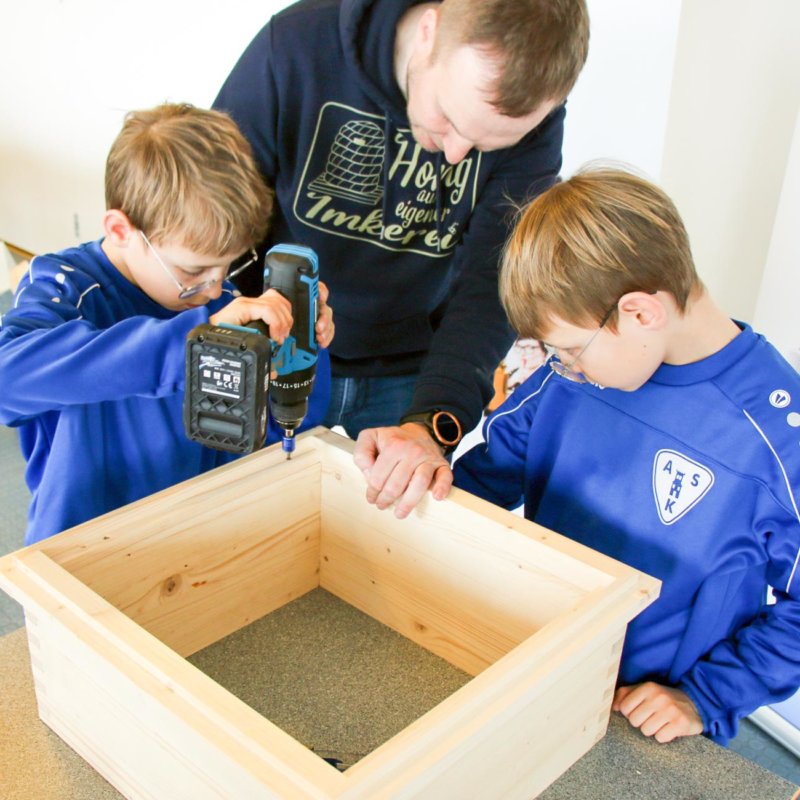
(625, 359)
(450, 113)
(164, 270)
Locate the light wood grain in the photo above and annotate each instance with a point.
(115, 604)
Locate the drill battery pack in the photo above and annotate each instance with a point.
(227, 386)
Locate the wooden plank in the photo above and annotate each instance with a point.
(195, 564)
(202, 502)
(112, 690)
(440, 618)
(495, 566)
(128, 735)
(529, 748)
(467, 591)
(561, 556)
(191, 608)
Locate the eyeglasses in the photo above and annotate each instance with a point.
(566, 370)
(185, 292)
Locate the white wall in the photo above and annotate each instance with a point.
(618, 109)
(71, 69)
(776, 314)
(735, 96)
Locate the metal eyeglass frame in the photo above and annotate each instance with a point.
(185, 292)
(566, 370)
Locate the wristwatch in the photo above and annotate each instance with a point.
(444, 427)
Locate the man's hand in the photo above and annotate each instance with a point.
(660, 711)
(400, 464)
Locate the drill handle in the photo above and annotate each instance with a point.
(293, 270)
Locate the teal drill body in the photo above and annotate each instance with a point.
(293, 270)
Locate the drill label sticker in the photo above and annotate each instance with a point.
(221, 376)
(679, 484)
(360, 183)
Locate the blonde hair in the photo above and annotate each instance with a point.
(539, 46)
(584, 243)
(187, 173)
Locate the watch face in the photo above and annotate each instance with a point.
(446, 428)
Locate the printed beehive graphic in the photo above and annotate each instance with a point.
(354, 165)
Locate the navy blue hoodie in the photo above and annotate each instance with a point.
(408, 244)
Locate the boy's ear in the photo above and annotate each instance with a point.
(118, 228)
(644, 310)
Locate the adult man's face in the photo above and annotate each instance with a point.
(448, 105)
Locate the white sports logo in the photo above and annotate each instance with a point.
(679, 483)
(780, 398)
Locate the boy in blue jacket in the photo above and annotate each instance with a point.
(92, 352)
(661, 433)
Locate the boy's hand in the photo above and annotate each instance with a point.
(660, 711)
(276, 311)
(400, 464)
(271, 307)
(324, 328)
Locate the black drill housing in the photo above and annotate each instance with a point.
(227, 385)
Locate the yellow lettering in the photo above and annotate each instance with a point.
(400, 161)
(322, 201)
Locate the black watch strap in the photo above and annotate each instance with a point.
(444, 427)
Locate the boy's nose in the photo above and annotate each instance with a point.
(213, 291)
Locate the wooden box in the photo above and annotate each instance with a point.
(113, 607)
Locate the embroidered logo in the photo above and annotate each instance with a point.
(679, 484)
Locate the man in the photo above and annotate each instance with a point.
(398, 137)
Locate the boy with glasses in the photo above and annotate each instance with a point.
(685, 466)
(92, 352)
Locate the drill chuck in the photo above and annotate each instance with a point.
(287, 442)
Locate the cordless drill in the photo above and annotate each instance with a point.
(228, 386)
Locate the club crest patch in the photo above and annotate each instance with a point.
(679, 484)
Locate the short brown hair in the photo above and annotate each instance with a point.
(188, 173)
(540, 46)
(584, 243)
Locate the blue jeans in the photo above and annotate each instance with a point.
(358, 403)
